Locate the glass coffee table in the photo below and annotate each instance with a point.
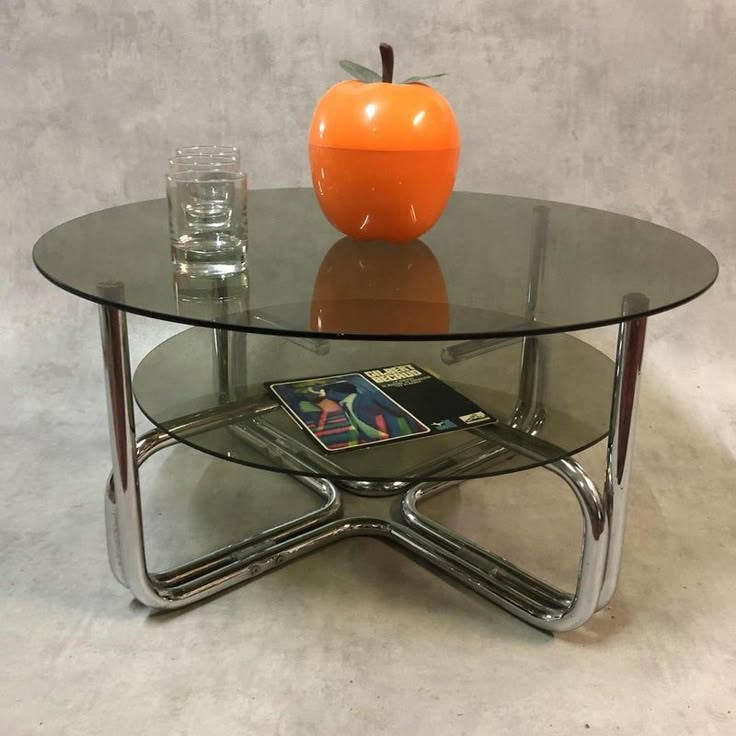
(484, 301)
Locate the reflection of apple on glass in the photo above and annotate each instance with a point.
(379, 288)
(383, 155)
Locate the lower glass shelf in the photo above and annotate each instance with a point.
(552, 395)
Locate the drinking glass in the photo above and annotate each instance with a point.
(204, 162)
(208, 221)
(209, 151)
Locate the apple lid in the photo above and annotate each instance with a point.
(384, 117)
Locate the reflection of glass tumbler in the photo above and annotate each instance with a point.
(222, 298)
(208, 221)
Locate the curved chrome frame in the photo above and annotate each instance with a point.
(206, 575)
(603, 513)
(487, 574)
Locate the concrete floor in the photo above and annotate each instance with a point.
(355, 639)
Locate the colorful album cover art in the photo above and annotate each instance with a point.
(347, 410)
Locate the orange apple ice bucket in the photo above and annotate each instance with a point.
(383, 158)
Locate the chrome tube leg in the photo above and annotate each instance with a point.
(212, 573)
(626, 382)
(594, 545)
(514, 589)
(221, 363)
(603, 537)
(469, 349)
(529, 412)
(225, 559)
(229, 364)
(114, 554)
(125, 530)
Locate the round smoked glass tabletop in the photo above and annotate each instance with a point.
(493, 266)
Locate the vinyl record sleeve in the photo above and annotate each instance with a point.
(348, 410)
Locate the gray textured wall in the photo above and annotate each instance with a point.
(626, 105)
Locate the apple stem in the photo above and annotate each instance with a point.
(387, 60)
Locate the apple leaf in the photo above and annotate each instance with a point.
(421, 79)
(361, 73)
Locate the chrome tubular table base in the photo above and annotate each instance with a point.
(367, 509)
